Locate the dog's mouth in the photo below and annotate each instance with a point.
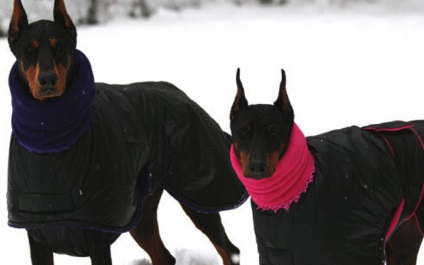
(42, 93)
(46, 91)
(258, 173)
(258, 167)
(47, 94)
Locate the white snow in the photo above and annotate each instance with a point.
(344, 67)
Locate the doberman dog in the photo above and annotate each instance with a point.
(45, 52)
(324, 223)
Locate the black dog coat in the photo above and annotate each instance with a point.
(366, 182)
(140, 136)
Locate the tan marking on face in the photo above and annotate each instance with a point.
(31, 75)
(273, 159)
(62, 74)
(272, 162)
(53, 42)
(35, 44)
(244, 161)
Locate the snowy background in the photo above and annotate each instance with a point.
(347, 62)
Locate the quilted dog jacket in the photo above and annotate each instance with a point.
(367, 181)
(138, 136)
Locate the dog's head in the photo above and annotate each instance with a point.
(43, 50)
(260, 132)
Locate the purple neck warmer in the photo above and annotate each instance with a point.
(53, 125)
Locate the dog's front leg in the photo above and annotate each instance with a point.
(40, 254)
(98, 247)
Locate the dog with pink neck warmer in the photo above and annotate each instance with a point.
(346, 197)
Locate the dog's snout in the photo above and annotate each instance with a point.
(48, 86)
(48, 80)
(257, 168)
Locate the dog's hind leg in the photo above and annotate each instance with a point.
(40, 254)
(147, 232)
(404, 245)
(211, 226)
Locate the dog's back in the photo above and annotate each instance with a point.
(177, 131)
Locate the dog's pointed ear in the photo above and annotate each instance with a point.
(18, 23)
(61, 17)
(240, 101)
(283, 101)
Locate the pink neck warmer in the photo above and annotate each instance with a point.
(291, 178)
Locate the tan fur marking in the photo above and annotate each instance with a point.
(53, 42)
(272, 161)
(244, 161)
(31, 75)
(62, 74)
(35, 44)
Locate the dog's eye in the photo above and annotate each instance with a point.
(59, 48)
(31, 46)
(30, 49)
(244, 133)
(30, 53)
(274, 130)
(56, 45)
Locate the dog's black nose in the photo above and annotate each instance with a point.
(257, 168)
(47, 80)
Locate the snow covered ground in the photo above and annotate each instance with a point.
(344, 67)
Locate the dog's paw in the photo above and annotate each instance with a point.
(195, 257)
(140, 262)
(235, 258)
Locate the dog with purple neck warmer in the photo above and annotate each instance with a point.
(350, 196)
(89, 161)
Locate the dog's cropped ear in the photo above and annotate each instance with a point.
(18, 23)
(240, 101)
(283, 101)
(61, 17)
